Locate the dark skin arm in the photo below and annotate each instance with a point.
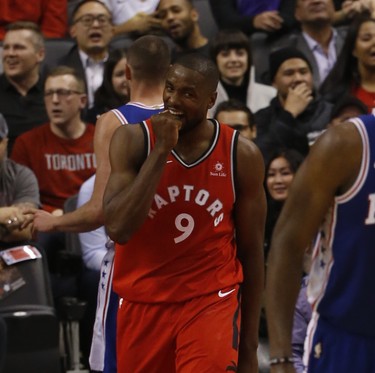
(250, 212)
(89, 216)
(133, 179)
(331, 168)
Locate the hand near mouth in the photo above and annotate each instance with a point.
(298, 99)
(166, 126)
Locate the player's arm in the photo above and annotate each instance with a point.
(90, 215)
(250, 212)
(133, 181)
(330, 168)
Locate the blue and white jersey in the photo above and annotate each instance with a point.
(134, 112)
(342, 277)
(105, 322)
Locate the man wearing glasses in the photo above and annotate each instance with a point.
(60, 152)
(92, 29)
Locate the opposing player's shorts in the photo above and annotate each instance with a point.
(200, 335)
(333, 350)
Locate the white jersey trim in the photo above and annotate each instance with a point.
(123, 119)
(206, 153)
(313, 323)
(361, 178)
(119, 116)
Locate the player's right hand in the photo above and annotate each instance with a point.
(166, 126)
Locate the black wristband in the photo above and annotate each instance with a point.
(282, 360)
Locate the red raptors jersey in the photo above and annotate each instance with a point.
(186, 246)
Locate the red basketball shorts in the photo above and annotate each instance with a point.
(200, 335)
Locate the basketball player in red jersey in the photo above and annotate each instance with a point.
(185, 204)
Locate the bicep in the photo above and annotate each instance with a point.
(329, 169)
(125, 152)
(104, 130)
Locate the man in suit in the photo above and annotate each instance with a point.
(93, 30)
(319, 41)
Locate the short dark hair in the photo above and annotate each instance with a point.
(347, 101)
(67, 70)
(293, 157)
(203, 65)
(149, 58)
(190, 2)
(235, 105)
(83, 2)
(230, 39)
(30, 26)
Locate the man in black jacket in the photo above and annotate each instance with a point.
(297, 115)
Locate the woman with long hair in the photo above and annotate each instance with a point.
(114, 90)
(354, 71)
(281, 167)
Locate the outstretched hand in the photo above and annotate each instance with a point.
(44, 221)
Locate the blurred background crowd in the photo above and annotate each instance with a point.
(288, 71)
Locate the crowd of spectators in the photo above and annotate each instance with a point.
(319, 71)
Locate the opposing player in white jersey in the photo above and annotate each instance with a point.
(148, 59)
(334, 193)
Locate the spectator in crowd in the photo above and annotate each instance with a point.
(114, 90)
(347, 10)
(297, 115)
(180, 21)
(21, 84)
(354, 72)
(281, 166)
(319, 41)
(136, 18)
(92, 30)
(18, 190)
(60, 152)
(301, 319)
(92, 242)
(238, 116)
(50, 15)
(271, 16)
(93, 249)
(346, 108)
(231, 52)
(64, 148)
